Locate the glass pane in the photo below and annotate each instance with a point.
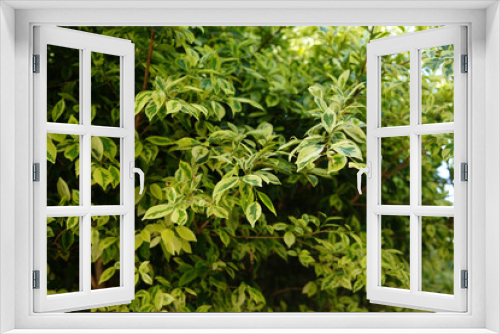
(63, 84)
(63, 255)
(395, 252)
(105, 90)
(105, 188)
(105, 252)
(437, 84)
(395, 173)
(395, 89)
(63, 169)
(437, 170)
(437, 254)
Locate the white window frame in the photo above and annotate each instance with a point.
(484, 102)
(414, 296)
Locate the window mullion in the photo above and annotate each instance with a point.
(414, 171)
(85, 174)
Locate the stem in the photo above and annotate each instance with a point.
(146, 73)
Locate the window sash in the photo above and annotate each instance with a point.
(86, 43)
(414, 298)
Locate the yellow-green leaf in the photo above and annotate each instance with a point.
(267, 202)
(179, 216)
(156, 191)
(289, 239)
(51, 151)
(347, 148)
(58, 109)
(253, 213)
(63, 189)
(185, 233)
(328, 120)
(107, 274)
(97, 148)
(160, 141)
(158, 211)
(253, 180)
(224, 185)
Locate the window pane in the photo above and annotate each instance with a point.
(395, 176)
(437, 170)
(437, 254)
(63, 84)
(63, 255)
(105, 188)
(437, 84)
(395, 252)
(63, 169)
(105, 252)
(395, 89)
(105, 90)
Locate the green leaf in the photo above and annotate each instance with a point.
(160, 141)
(71, 152)
(347, 148)
(156, 191)
(252, 180)
(328, 120)
(158, 211)
(141, 99)
(67, 240)
(145, 236)
(289, 239)
(343, 78)
(187, 277)
(171, 242)
(58, 109)
(107, 242)
(200, 154)
(109, 147)
(179, 216)
(224, 237)
(224, 185)
(218, 110)
(355, 133)
(185, 233)
(336, 163)
(51, 151)
(102, 177)
(186, 171)
(63, 189)
(267, 202)
(253, 103)
(106, 275)
(272, 100)
(308, 155)
(97, 148)
(173, 106)
(217, 211)
(253, 213)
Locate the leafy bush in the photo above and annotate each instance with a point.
(250, 138)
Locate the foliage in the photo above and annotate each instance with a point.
(250, 138)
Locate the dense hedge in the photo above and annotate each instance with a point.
(250, 138)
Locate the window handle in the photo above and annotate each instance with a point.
(368, 171)
(139, 171)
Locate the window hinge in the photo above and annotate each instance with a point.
(465, 279)
(36, 63)
(36, 172)
(36, 279)
(465, 64)
(464, 171)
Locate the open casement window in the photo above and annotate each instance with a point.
(84, 164)
(416, 144)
